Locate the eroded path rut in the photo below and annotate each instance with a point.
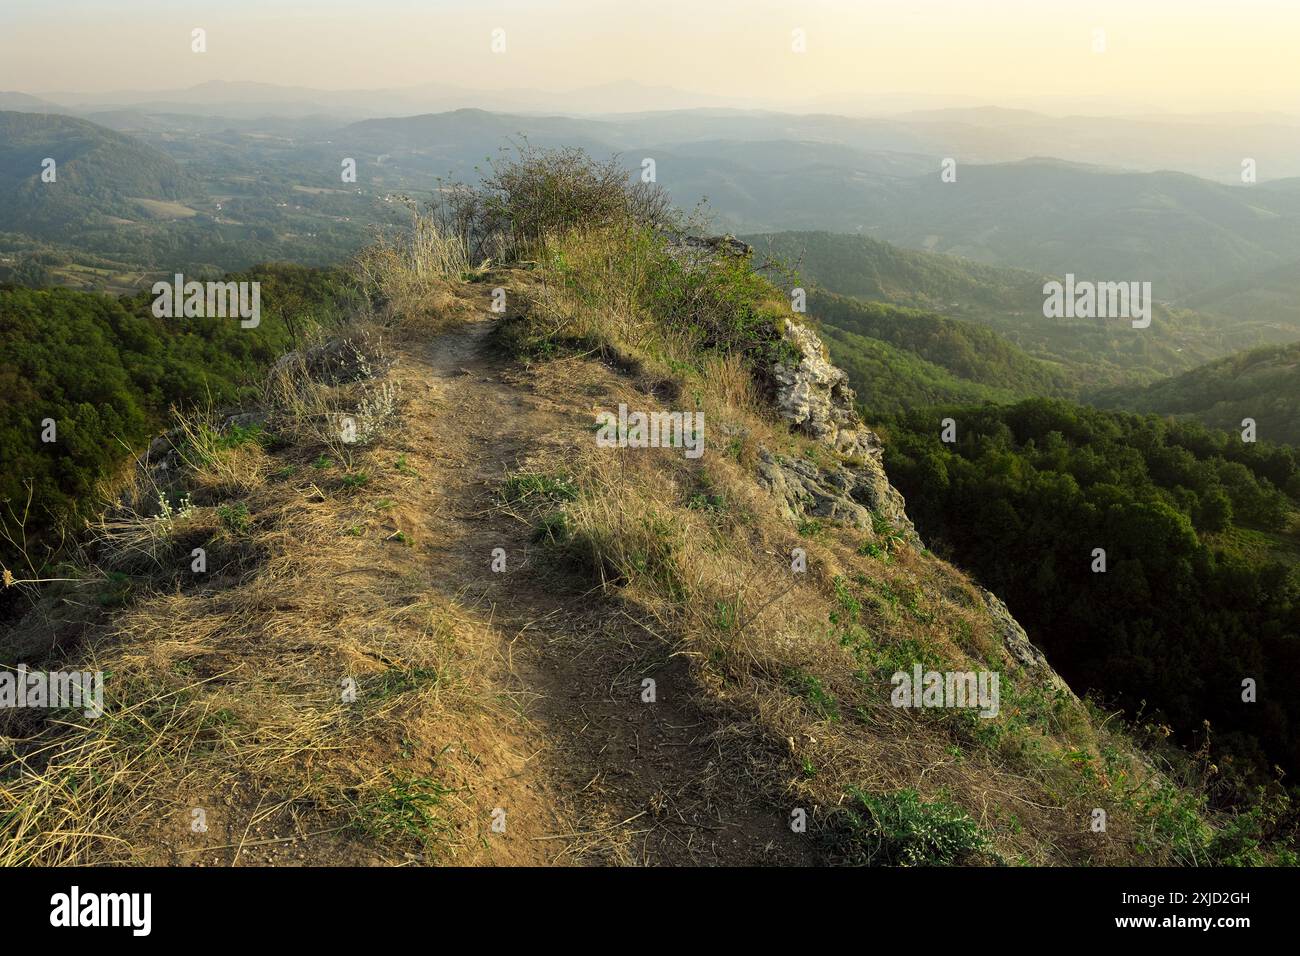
(603, 777)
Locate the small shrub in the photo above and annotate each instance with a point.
(526, 486)
(402, 811)
(900, 829)
(234, 518)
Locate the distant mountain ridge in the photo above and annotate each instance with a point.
(1181, 233)
(760, 172)
(1207, 145)
(23, 103)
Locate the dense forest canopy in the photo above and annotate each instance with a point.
(106, 372)
(1201, 587)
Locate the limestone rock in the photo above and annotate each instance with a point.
(697, 251)
(804, 490)
(834, 491)
(727, 245)
(332, 362)
(814, 396)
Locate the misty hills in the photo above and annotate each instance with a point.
(279, 185)
(1209, 145)
(1270, 296)
(916, 329)
(1177, 231)
(867, 268)
(100, 174)
(23, 103)
(247, 100)
(1089, 353)
(1181, 233)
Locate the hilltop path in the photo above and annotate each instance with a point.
(609, 778)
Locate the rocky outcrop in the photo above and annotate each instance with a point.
(848, 484)
(803, 489)
(815, 398)
(696, 252)
(839, 492)
(332, 362)
(726, 245)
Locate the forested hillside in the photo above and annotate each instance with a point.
(99, 175)
(968, 351)
(1271, 297)
(1201, 581)
(1088, 353)
(888, 379)
(106, 372)
(174, 197)
(868, 268)
(1180, 233)
(1262, 384)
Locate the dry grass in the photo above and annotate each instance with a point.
(219, 465)
(342, 416)
(414, 273)
(761, 639)
(802, 661)
(246, 724)
(227, 691)
(230, 692)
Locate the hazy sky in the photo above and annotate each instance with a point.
(1234, 55)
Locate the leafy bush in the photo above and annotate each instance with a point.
(533, 195)
(900, 829)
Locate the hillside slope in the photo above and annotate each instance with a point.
(653, 675)
(1087, 353)
(1180, 233)
(873, 269)
(101, 175)
(1262, 384)
(1271, 297)
(969, 352)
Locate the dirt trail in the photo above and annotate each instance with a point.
(610, 779)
